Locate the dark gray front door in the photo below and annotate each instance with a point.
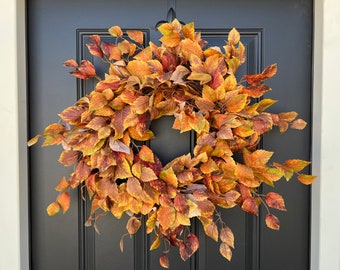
(273, 31)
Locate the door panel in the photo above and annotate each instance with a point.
(273, 31)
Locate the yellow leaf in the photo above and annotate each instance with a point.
(116, 31)
(156, 242)
(202, 77)
(237, 103)
(146, 154)
(53, 209)
(225, 251)
(169, 176)
(233, 37)
(171, 40)
(230, 82)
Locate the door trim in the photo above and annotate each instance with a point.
(324, 250)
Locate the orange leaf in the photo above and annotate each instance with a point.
(188, 31)
(272, 222)
(245, 176)
(169, 176)
(146, 154)
(296, 165)
(133, 187)
(275, 200)
(227, 236)
(97, 122)
(97, 101)
(257, 159)
(164, 261)
(133, 225)
(306, 179)
(237, 103)
(116, 31)
(34, 140)
(64, 200)
(256, 91)
(135, 35)
(190, 48)
(171, 40)
(189, 246)
(287, 116)
(62, 185)
(166, 216)
(53, 209)
(267, 73)
(225, 251)
(71, 63)
(209, 167)
(141, 105)
(72, 114)
(147, 174)
(230, 82)
(84, 71)
(298, 124)
(138, 68)
(106, 187)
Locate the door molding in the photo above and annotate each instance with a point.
(15, 227)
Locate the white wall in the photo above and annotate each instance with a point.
(326, 146)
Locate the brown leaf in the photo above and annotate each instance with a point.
(147, 174)
(72, 114)
(256, 91)
(189, 246)
(53, 209)
(225, 251)
(105, 187)
(68, 157)
(141, 105)
(181, 204)
(64, 200)
(133, 225)
(211, 230)
(227, 236)
(179, 73)
(250, 205)
(275, 200)
(272, 222)
(306, 179)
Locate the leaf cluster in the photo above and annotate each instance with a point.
(104, 137)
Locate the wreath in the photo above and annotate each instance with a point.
(104, 136)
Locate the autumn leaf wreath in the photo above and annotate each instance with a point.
(101, 137)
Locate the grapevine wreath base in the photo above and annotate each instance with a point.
(195, 84)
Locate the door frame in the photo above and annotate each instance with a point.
(14, 229)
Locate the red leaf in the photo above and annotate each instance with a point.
(272, 222)
(189, 246)
(164, 261)
(181, 204)
(95, 50)
(275, 200)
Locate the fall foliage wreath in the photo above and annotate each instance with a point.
(101, 137)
